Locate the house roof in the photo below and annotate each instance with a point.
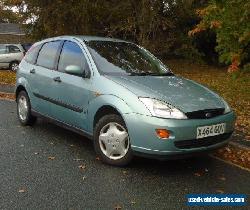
(11, 29)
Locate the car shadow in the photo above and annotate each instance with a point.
(200, 163)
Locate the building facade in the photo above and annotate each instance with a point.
(11, 33)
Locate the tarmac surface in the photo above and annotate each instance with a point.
(47, 167)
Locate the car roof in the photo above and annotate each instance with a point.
(11, 44)
(97, 38)
(92, 38)
(79, 37)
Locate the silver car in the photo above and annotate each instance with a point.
(11, 55)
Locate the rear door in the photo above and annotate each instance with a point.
(42, 74)
(3, 56)
(71, 92)
(14, 53)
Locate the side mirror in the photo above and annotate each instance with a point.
(74, 70)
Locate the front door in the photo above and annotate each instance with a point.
(71, 92)
(3, 56)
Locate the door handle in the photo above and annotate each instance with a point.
(57, 79)
(32, 71)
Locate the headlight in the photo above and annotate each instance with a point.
(161, 109)
(227, 107)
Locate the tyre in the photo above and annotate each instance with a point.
(24, 109)
(14, 66)
(111, 140)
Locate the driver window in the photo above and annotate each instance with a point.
(71, 55)
(13, 49)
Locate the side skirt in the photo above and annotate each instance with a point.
(63, 124)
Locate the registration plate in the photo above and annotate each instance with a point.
(211, 130)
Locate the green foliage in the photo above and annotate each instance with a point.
(7, 15)
(161, 26)
(230, 19)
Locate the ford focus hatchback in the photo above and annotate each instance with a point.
(122, 97)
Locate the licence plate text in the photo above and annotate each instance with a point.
(211, 130)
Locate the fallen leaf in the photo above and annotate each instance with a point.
(222, 178)
(82, 167)
(21, 190)
(228, 149)
(117, 207)
(219, 191)
(197, 174)
(51, 158)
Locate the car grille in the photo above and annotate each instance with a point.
(204, 114)
(204, 142)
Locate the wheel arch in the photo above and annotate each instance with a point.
(104, 110)
(14, 61)
(103, 105)
(19, 89)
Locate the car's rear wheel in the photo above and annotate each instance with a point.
(14, 66)
(24, 109)
(111, 140)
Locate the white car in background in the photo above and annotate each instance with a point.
(11, 55)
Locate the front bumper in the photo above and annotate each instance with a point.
(182, 141)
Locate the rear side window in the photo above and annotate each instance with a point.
(13, 49)
(48, 54)
(31, 55)
(71, 55)
(3, 49)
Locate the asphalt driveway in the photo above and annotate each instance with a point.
(47, 167)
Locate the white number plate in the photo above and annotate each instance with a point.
(211, 130)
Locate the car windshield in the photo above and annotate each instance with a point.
(119, 58)
(26, 47)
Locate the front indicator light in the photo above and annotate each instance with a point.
(162, 133)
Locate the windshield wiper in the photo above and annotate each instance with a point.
(151, 74)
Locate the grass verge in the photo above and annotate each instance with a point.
(235, 91)
(8, 96)
(7, 77)
(234, 154)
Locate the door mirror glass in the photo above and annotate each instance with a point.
(74, 70)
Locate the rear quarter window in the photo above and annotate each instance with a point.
(48, 54)
(31, 55)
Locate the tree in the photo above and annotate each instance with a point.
(7, 15)
(159, 25)
(230, 19)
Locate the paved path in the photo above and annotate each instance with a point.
(60, 183)
(7, 88)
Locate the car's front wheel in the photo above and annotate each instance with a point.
(24, 109)
(111, 140)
